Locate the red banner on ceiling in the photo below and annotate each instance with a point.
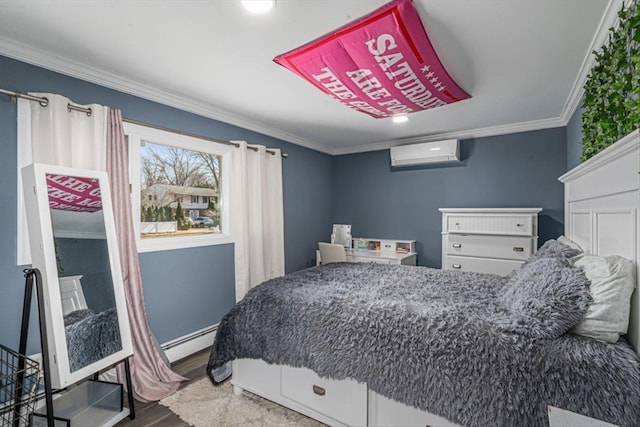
(383, 64)
(73, 193)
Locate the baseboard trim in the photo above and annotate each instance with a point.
(189, 344)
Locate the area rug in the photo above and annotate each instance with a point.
(202, 404)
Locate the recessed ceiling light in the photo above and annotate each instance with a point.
(258, 6)
(400, 119)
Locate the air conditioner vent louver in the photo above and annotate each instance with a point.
(425, 153)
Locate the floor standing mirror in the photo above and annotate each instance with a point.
(73, 245)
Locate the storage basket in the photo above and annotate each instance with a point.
(19, 386)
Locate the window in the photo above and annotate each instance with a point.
(179, 189)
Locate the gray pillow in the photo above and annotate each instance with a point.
(554, 249)
(545, 298)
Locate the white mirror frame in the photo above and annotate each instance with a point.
(43, 256)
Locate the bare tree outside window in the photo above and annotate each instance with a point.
(179, 192)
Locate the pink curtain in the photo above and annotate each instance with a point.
(151, 378)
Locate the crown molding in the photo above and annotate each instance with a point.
(467, 134)
(609, 19)
(44, 59)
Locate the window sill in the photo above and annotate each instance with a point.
(171, 243)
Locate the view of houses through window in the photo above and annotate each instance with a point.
(179, 191)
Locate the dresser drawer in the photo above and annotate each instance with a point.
(344, 401)
(517, 225)
(481, 265)
(507, 247)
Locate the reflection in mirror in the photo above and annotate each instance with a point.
(82, 259)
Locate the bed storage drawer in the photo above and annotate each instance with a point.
(506, 247)
(481, 265)
(387, 412)
(516, 225)
(344, 401)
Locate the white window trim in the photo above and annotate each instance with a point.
(137, 133)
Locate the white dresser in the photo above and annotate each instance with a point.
(488, 240)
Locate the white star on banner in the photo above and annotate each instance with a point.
(430, 75)
(425, 68)
(433, 80)
(441, 88)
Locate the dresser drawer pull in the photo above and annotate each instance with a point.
(456, 266)
(319, 390)
(518, 249)
(519, 225)
(457, 245)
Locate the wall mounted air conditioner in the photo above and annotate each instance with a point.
(425, 153)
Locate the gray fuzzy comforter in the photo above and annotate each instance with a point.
(91, 336)
(478, 349)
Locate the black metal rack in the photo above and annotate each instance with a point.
(19, 387)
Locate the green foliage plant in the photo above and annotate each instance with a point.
(183, 223)
(611, 103)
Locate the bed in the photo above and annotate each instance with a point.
(349, 344)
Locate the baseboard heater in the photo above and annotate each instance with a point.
(189, 337)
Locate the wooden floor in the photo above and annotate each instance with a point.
(153, 414)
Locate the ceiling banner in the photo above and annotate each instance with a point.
(73, 193)
(382, 64)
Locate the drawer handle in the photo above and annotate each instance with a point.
(457, 245)
(456, 266)
(518, 249)
(319, 390)
(519, 225)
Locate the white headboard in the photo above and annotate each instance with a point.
(601, 205)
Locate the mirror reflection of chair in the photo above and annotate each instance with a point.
(331, 253)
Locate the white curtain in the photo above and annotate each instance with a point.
(258, 217)
(56, 136)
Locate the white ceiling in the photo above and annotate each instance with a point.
(523, 61)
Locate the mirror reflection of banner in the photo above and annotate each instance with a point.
(382, 64)
(73, 193)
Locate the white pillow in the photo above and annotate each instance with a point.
(565, 241)
(612, 283)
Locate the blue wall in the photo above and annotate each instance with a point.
(574, 139)
(517, 170)
(185, 290)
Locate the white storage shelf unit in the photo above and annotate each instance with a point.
(488, 240)
(382, 251)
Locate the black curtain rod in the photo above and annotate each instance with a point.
(44, 102)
